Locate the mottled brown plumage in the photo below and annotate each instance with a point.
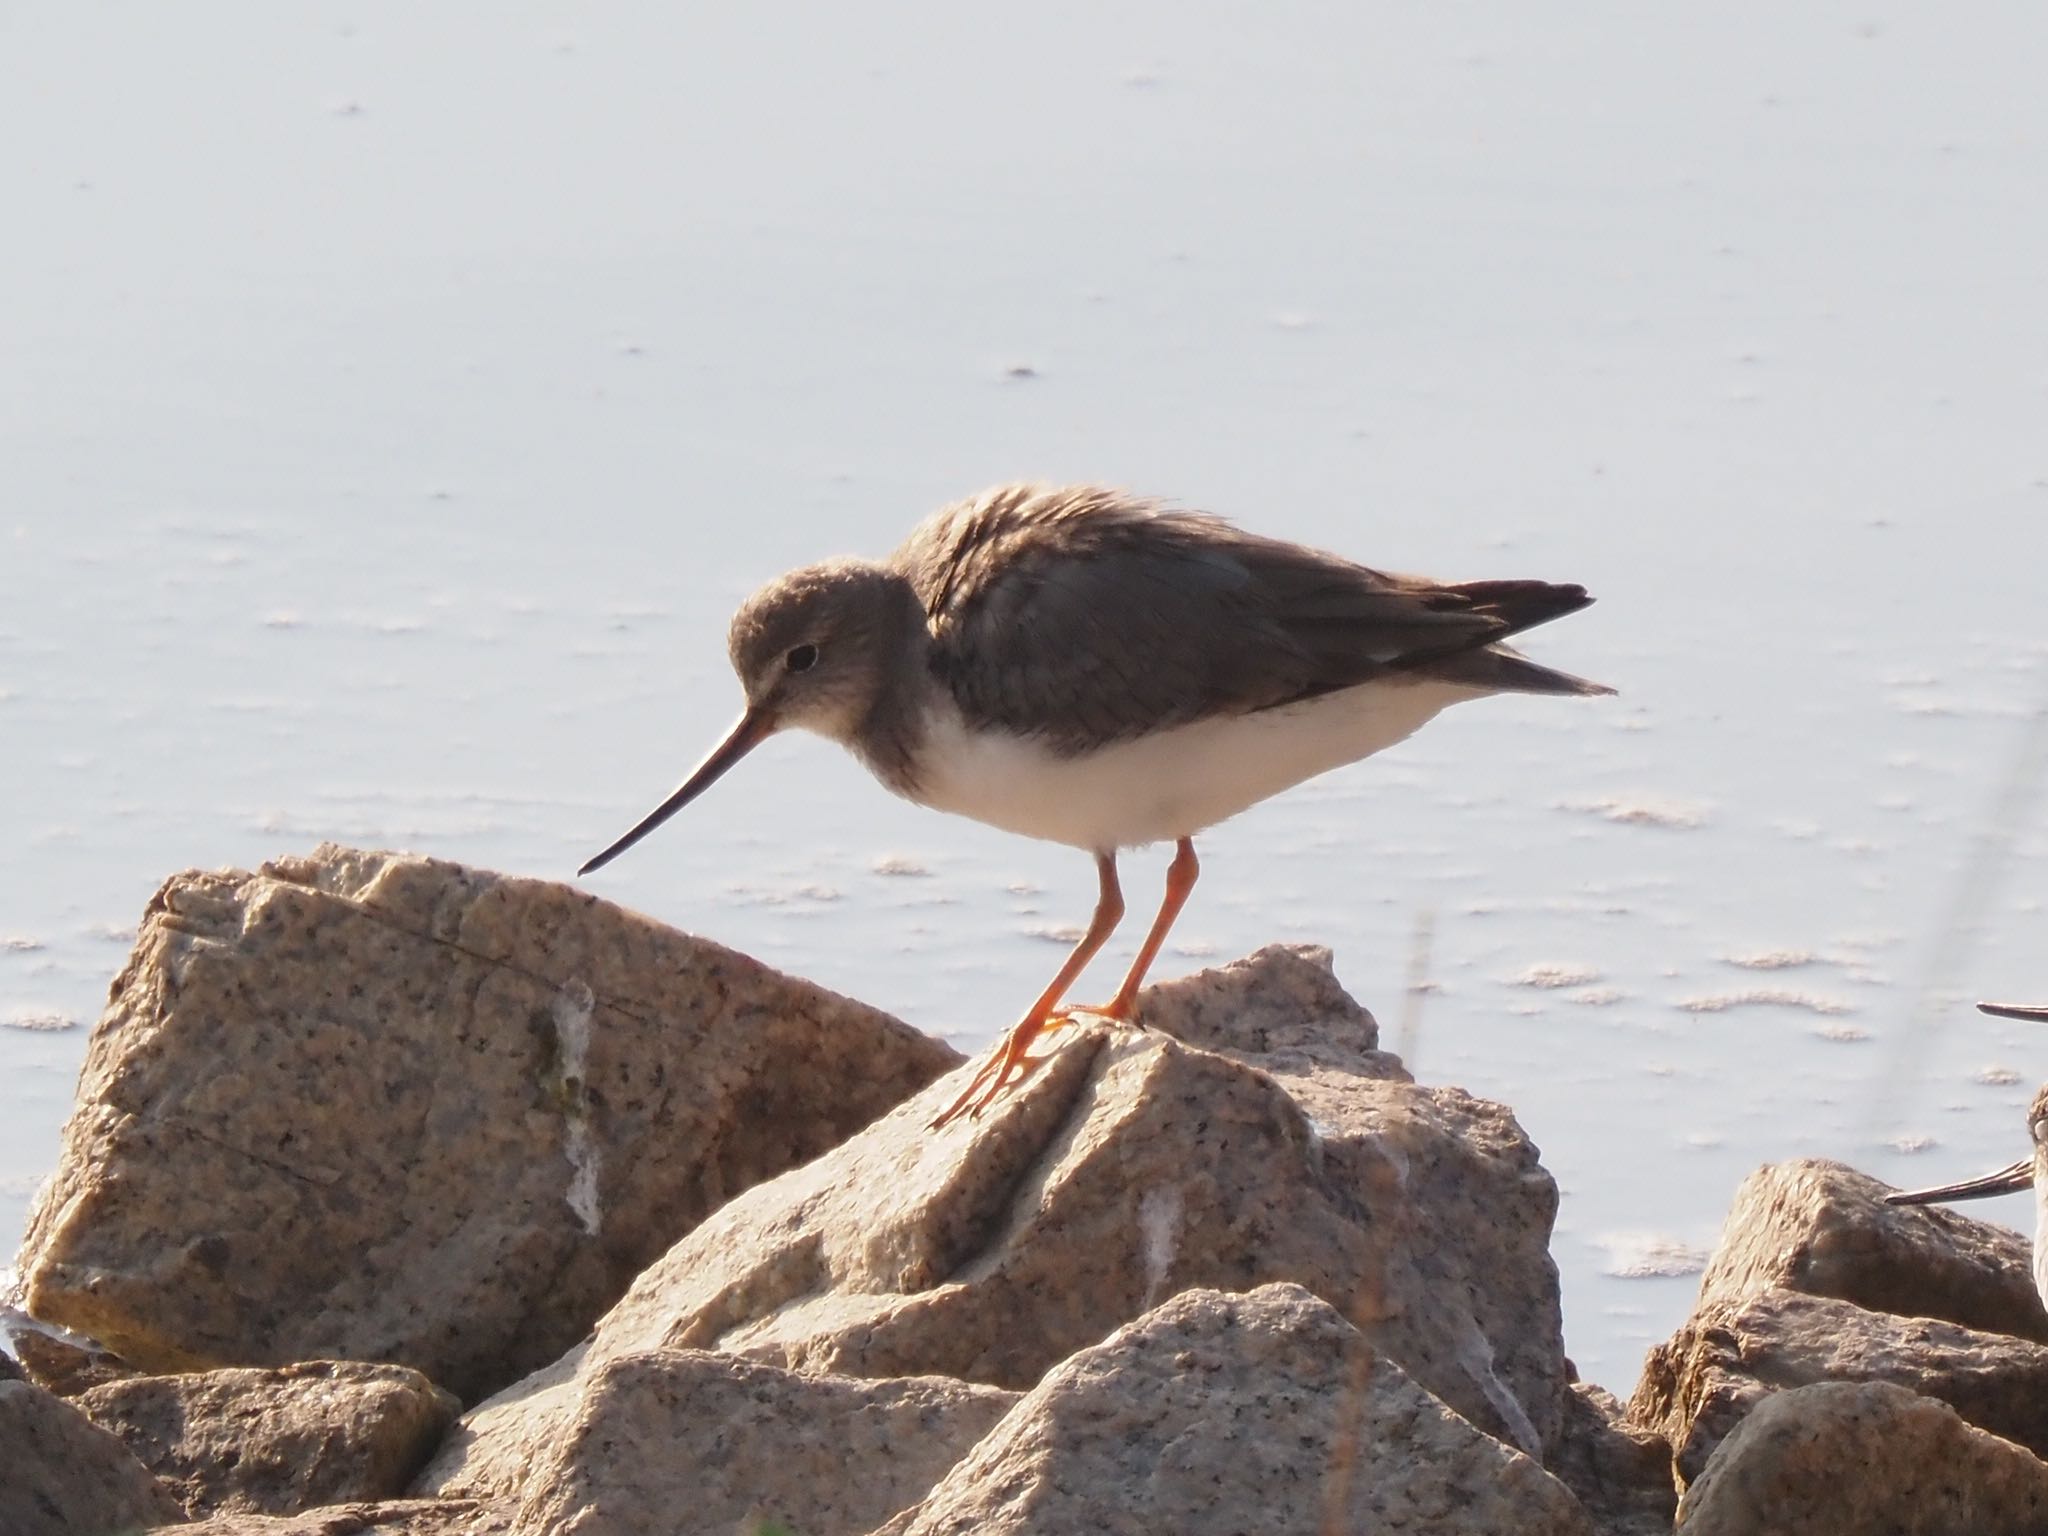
(1139, 618)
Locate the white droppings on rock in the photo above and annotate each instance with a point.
(1159, 1235)
(1475, 1354)
(572, 1010)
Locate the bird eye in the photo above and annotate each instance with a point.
(802, 659)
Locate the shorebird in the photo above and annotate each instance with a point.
(2031, 1171)
(1093, 668)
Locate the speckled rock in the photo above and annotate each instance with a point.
(278, 1441)
(731, 1442)
(1620, 1474)
(1129, 1168)
(62, 1476)
(1824, 1229)
(371, 1106)
(65, 1364)
(398, 1517)
(1730, 1357)
(1837, 1459)
(1217, 1414)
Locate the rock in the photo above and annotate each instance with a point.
(282, 1440)
(1731, 1357)
(1837, 1459)
(733, 1442)
(62, 1362)
(60, 1476)
(378, 1107)
(1220, 1413)
(1621, 1475)
(1129, 1168)
(9, 1371)
(1824, 1229)
(402, 1517)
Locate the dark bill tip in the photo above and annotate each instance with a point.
(754, 727)
(2015, 1011)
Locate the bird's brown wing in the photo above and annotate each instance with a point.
(1083, 617)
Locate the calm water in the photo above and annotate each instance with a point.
(398, 403)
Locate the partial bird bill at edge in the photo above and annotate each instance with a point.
(2006, 1181)
(2035, 1013)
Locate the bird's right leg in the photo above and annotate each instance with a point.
(1008, 1063)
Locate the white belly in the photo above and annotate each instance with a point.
(1171, 784)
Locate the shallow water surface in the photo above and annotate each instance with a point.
(402, 402)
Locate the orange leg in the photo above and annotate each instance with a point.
(1008, 1063)
(1180, 881)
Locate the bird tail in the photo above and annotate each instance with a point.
(1518, 605)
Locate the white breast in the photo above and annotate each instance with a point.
(1170, 784)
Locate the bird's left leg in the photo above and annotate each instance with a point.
(1180, 881)
(1009, 1062)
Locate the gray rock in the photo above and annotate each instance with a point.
(682, 1441)
(370, 1106)
(61, 1476)
(1824, 1229)
(278, 1441)
(1730, 1357)
(1128, 1169)
(1219, 1414)
(401, 1517)
(1837, 1459)
(1621, 1475)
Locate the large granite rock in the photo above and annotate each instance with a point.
(1818, 1280)
(278, 1441)
(375, 1107)
(1130, 1168)
(1729, 1357)
(1838, 1459)
(1823, 1229)
(688, 1441)
(1217, 1414)
(61, 1476)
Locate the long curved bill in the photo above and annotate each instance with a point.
(2015, 1011)
(754, 727)
(2004, 1182)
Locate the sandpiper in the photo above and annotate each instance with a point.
(2029, 1171)
(1089, 667)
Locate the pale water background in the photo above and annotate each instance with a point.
(397, 400)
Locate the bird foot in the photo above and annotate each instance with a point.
(1010, 1064)
(1006, 1067)
(1121, 1016)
